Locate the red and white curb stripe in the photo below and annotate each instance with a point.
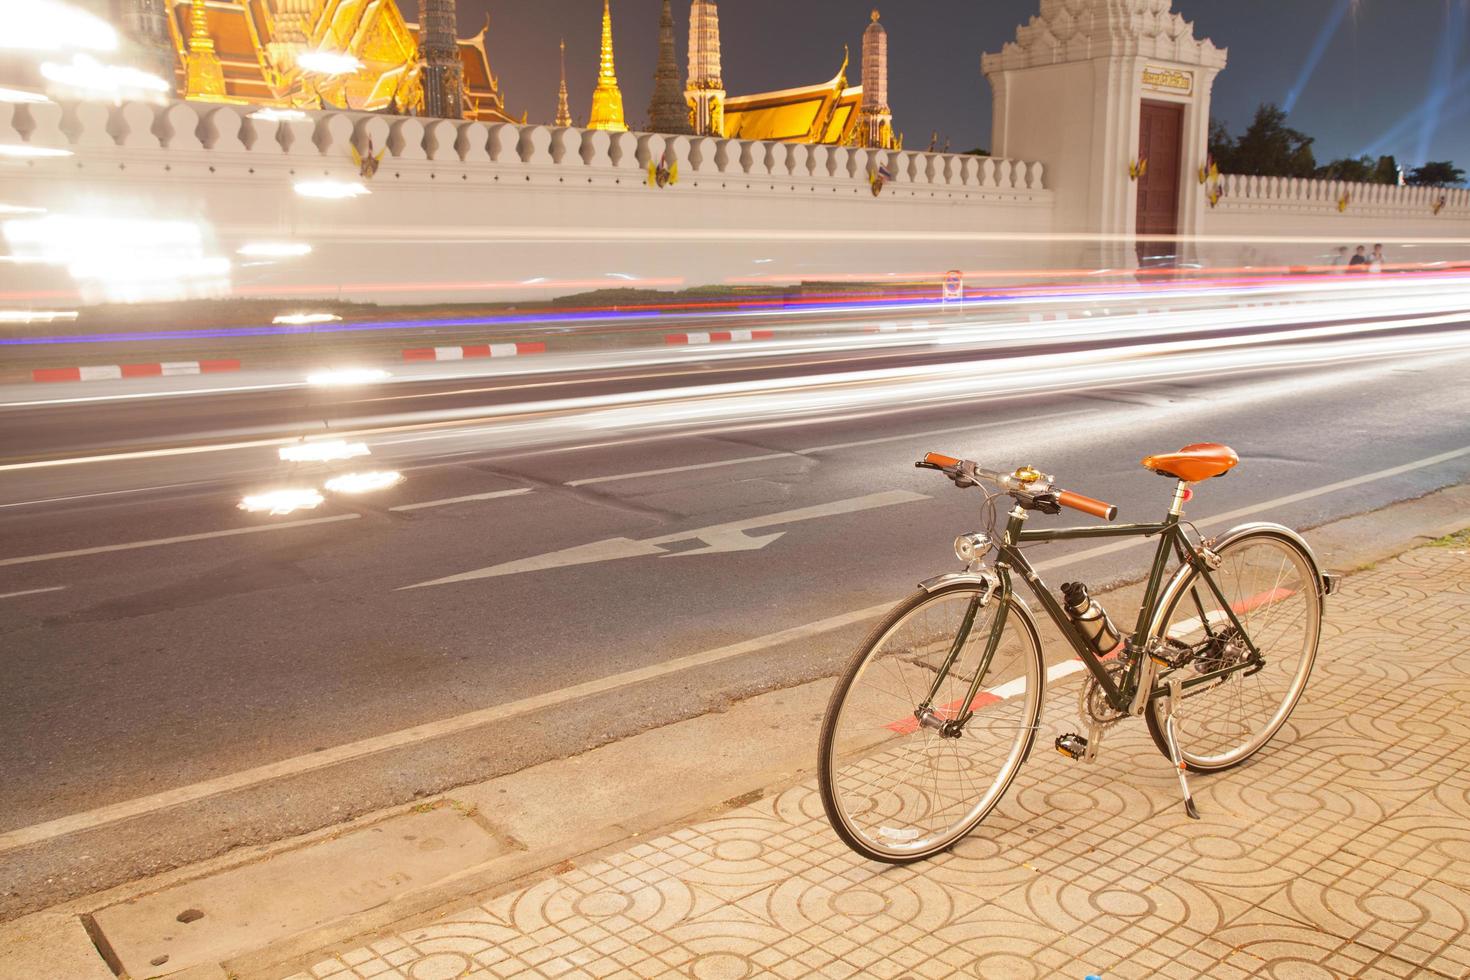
(1003, 692)
(718, 336)
(112, 372)
(473, 351)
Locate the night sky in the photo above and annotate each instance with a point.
(1386, 60)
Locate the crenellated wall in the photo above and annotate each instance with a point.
(1288, 220)
(473, 212)
(502, 211)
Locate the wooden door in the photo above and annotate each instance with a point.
(1160, 142)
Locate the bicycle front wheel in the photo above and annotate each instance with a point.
(896, 790)
(1271, 585)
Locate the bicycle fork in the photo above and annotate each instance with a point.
(1176, 697)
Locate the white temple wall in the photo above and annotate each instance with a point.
(1278, 221)
(462, 212)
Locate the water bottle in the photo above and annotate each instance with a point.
(1090, 618)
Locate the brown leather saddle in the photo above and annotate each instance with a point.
(1194, 463)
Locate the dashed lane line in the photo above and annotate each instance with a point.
(178, 796)
(680, 469)
(493, 495)
(939, 432)
(17, 595)
(180, 539)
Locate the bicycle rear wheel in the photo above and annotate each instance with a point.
(1271, 584)
(898, 791)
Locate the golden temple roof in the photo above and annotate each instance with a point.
(373, 31)
(822, 113)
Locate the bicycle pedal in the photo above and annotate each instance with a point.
(1072, 745)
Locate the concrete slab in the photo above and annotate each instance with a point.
(49, 944)
(203, 922)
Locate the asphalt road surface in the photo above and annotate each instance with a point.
(720, 529)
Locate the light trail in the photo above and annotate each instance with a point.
(821, 395)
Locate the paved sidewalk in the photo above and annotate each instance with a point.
(1342, 850)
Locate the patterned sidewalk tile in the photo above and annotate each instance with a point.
(1341, 850)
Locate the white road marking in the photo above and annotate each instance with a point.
(1019, 423)
(717, 538)
(102, 816)
(181, 539)
(463, 500)
(17, 595)
(104, 493)
(680, 469)
(285, 768)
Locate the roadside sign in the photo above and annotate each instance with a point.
(953, 290)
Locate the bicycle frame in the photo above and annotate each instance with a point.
(1010, 557)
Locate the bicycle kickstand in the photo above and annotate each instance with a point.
(1176, 756)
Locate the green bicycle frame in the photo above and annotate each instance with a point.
(1010, 557)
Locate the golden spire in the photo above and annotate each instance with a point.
(204, 77)
(563, 110)
(607, 99)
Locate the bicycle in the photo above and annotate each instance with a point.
(938, 710)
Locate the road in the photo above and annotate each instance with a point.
(574, 556)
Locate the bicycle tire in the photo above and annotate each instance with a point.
(848, 754)
(1250, 706)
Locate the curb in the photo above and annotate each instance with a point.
(473, 351)
(719, 336)
(113, 372)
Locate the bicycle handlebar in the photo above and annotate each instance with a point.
(964, 473)
(1087, 505)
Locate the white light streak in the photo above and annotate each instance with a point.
(45, 25)
(25, 151)
(86, 77)
(364, 482)
(278, 115)
(305, 319)
(327, 62)
(332, 190)
(20, 209)
(323, 452)
(277, 502)
(36, 316)
(123, 259)
(274, 250)
(15, 95)
(346, 376)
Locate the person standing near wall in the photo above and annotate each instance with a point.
(1375, 261)
(1340, 260)
(1359, 261)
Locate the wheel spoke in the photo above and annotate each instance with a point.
(897, 790)
(1265, 581)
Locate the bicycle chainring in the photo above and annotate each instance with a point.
(1092, 706)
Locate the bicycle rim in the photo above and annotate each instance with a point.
(898, 791)
(1272, 587)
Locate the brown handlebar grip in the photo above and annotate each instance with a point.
(939, 459)
(1087, 505)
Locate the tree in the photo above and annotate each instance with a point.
(1359, 171)
(1222, 146)
(1362, 170)
(1270, 148)
(1387, 171)
(1436, 173)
